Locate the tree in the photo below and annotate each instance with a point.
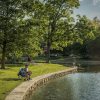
(94, 45)
(56, 22)
(16, 30)
(85, 31)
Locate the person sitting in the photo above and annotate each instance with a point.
(28, 73)
(25, 73)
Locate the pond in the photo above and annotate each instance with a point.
(78, 86)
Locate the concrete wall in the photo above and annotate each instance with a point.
(26, 89)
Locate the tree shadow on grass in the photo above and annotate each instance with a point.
(14, 65)
(10, 79)
(1, 72)
(7, 68)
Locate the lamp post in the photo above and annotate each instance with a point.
(74, 60)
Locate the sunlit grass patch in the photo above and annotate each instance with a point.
(9, 79)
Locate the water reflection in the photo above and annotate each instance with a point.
(78, 86)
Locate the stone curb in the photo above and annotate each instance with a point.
(25, 90)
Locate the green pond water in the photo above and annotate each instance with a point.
(77, 86)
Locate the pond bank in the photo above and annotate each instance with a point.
(25, 90)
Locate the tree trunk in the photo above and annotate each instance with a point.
(3, 56)
(48, 52)
(51, 29)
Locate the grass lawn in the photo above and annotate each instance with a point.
(9, 79)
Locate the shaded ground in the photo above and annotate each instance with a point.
(68, 61)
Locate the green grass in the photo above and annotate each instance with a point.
(9, 79)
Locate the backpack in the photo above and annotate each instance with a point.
(22, 72)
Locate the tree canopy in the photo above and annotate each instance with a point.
(16, 32)
(56, 22)
(26, 24)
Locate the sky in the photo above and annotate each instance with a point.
(90, 8)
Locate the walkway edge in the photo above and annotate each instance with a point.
(25, 90)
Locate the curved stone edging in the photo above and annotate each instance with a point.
(25, 90)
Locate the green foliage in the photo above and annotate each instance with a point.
(84, 29)
(55, 21)
(58, 21)
(16, 33)
(85, 32)
(96, 24)
(26, 24)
